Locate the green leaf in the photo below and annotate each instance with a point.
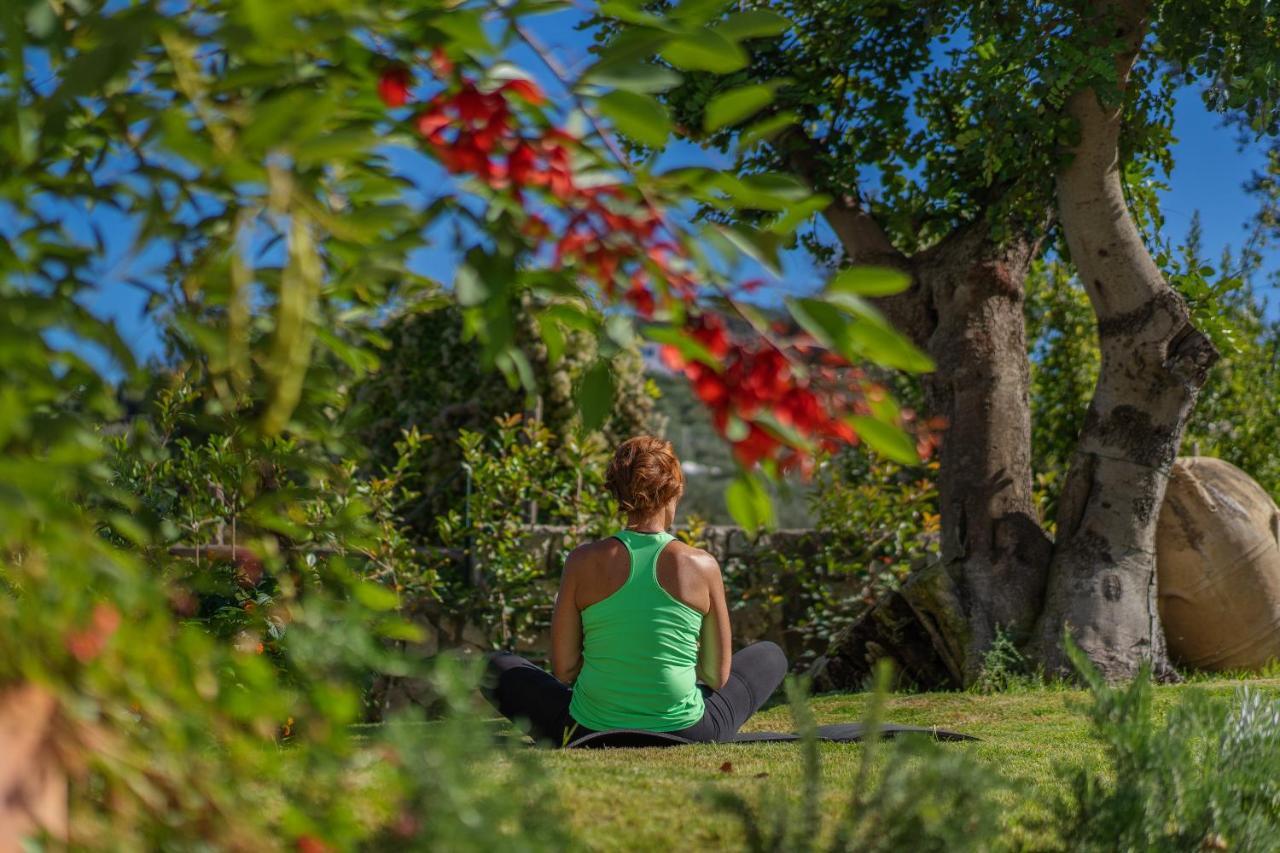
(291, 343)
(595, 395)
(515, 365)
(571, 316)
(341, 145)
(871, 336)
(823, 321)
(638, 116)
(886, 439)
(765, 191)
(690, 349)
(632, 76)
(468, 288)
(737, 104)
(761, 246)
(632, 13)
(632, 44)
(127, 527)
(885, 346)
(465, 29)
(869, 281)
(798, 213)
(376, 596)
(755, 23)
(706, 50)
(697, 12)
(749, 503)
(401, 629)
(783, 186)
(552, 338)
(766, 128)
(118, 40)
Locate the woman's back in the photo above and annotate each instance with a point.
(639, 641)
(639, 618)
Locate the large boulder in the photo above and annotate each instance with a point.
(1218, 561)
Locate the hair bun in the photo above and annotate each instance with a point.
(645, 474)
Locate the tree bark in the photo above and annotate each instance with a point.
(965, 307)
(994, 554)
(1154, 361)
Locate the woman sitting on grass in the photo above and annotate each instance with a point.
(639, 618)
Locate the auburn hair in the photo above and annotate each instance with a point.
(644, 474)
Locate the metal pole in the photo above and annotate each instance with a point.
(470, 567)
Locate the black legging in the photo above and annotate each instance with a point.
(522, 691)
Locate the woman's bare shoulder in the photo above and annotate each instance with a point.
(589, 553)
(695, 558)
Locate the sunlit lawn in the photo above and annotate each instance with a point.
(648, 799)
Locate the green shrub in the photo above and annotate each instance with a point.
(879, 521)
(1207, 777)
(919, 795)
(519, 472)
(192, 479)
(451, 789)
(433, 379)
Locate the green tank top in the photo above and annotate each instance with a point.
(639, 651)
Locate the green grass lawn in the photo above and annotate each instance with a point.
(648, 799)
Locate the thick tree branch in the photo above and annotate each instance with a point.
(862, 237)
(1129, 294)
(1104, 241)
(1154, 361)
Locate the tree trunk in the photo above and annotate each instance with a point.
(995, 556)
(1102, 579)
(965, 306)
(994, 552)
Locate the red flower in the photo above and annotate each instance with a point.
(87, 643)
(522, 165)
(393, 86)
(708, 330)
(526, 90)
(799, 407)
(431, 123)
(756, 446)
(311, 844)
(707, 384)
(641, 298)
(440, 63)
(671, 357)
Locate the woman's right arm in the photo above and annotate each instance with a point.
(566, 626)
(715, 648)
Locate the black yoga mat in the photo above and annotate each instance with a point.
(840, 733)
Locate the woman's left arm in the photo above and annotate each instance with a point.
(566, 626)
(715, 649)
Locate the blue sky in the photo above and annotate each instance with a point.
(1209, 176)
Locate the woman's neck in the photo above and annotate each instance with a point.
(647, 524)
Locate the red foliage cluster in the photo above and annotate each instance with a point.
(757, 380)
(88, 642)
(612, 236)
(605, 233)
